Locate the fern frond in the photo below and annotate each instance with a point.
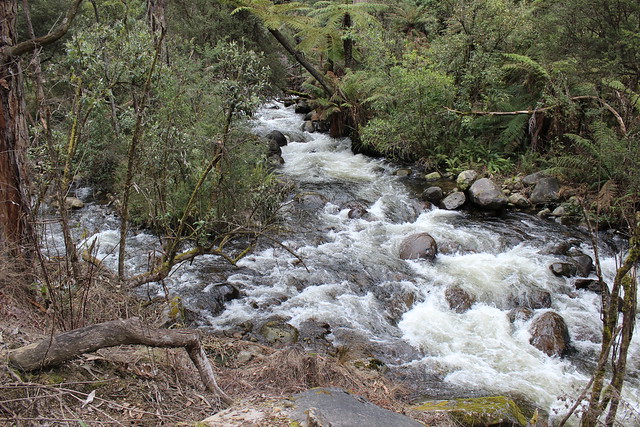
(525, 63)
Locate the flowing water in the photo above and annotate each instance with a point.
(352, 279)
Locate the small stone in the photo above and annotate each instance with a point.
(244, 357)
(433, 176)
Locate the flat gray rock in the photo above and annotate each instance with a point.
(336, 408)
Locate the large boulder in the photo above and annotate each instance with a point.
(485, 194)
(419, 245)
(547, 190)
(433, 194)
(583, 263)
(533, 298)
(549, 334)
(454, 201)
(278, 137)
(478, 411)
(329, 406)
(534, 178)
(465, 179)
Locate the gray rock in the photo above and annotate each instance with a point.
(534, 178)
(357, 212)
(278, 137)
(308, 126)
(454, 201)
(419, 245)
(403, 172)
(279, 332)
(518, 200)
(559, 211)
(330, 406)
(465, 179)
(564, 269)
(549, 334)
(485, 194)
(458, 299)
(533, 298)
(311, 200)
(583, 263)
(433, 194)
(546, 190)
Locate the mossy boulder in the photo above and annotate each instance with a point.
(479, 411)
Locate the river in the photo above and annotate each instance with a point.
(353, 280)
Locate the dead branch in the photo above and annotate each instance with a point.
(612, 110)
(71, 344)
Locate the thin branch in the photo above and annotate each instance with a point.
(56, 34)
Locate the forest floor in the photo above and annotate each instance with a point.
(138, 385)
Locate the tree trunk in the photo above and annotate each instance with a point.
(69, 345)
(301, 60)
(15, 229)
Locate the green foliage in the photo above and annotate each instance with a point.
(409, 114)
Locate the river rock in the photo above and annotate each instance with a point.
(308, 126)
(564, 269)
(278, 137)
(330, 406)
(519, 201)
(583, 263)
(485, 194)
(547, 190)
(549, 334)
(433, 194)
(311, 200)
(533, 298)
(433, 176)
(403, 172)
(419, 245)
(592, 285)
(520, 313)
(357, 212)
(454, 201)
(73, 203)
(278, 332)
(465, 179)
(534, 178)
(273, 148)
(302, 107)
(479, 411)
(458, 299)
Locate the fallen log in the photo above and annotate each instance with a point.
(68, 345)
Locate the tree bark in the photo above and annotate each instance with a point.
(15, 229)
(69, 345)
(301, 60)
(14, 198)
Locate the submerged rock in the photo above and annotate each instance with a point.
(485, 194)
(330, 406)
(419, 245)
(533, 298)
(458, 299)
(479, 411)
(549, 334)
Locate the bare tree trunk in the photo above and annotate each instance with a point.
(69, 345)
